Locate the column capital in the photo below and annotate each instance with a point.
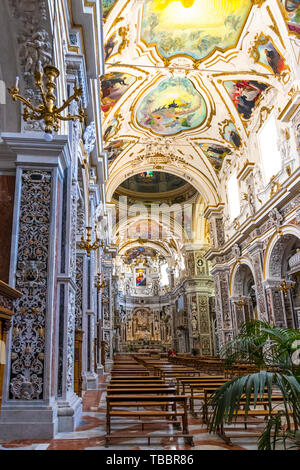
(254, 247)
(32, 150)
(216, 210)
(218, 269)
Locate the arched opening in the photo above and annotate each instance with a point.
(244, 299)
(283, 283)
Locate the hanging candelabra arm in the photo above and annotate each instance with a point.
(75, 97)
(69, 117)
(14, 93)
(33, 116)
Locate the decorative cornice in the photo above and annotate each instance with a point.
(214, 210)
(245, 171)
(32, 149)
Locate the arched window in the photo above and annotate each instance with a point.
(164, 275)
(270, 155)
(233, 196)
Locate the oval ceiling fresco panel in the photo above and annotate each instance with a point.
(193, 27)
(173, 106)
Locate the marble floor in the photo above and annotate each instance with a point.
(90, 434)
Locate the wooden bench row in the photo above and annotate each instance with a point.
(116, 401)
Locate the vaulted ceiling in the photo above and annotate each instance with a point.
(185, 79)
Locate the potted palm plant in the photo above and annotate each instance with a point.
(272, 351)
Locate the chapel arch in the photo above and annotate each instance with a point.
(282, 278)
(243, 291)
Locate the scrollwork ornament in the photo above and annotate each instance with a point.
(28, 345)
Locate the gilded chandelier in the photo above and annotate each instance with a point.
(87, 244)
(284, 287)
(47, 111)
(99, 284)
(240, 302)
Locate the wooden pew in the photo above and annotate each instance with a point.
(184, 382)
(201, 387)
(164, 371)
(206, 364)
(129, 373)
(178, 373)
(149, 401)
(262, 401)
(241, 413)
(159, 390)
(136, 385)
(126, 378)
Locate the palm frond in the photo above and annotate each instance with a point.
(248, 390)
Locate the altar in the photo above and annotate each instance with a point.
(146, 330)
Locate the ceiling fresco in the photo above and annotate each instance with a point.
(173, 106)
(140, 251)
(185, 83)
(111, 129)
(293, 9)
(266, 54)
(107, 6)
(230, 134)
(112, 46)
(153, 181)
(215, 154)
(244, 94)
(115, 148)
(113, 87)
(193, 27)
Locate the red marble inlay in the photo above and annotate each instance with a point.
(7, 191)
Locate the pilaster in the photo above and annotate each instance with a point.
(256, 256)
(32, 398)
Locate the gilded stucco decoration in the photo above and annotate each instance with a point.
(195, 90)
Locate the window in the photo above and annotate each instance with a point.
(270, 155)
(164, 275)
(233, 196)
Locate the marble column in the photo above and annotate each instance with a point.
(225, 327)
(256, 256)
(80, 296)
(107, 308)
(199, 287)
(89, 320)
(216, 226)
(279, 305)
(241, 311)
(98, 329)
(69, 404)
